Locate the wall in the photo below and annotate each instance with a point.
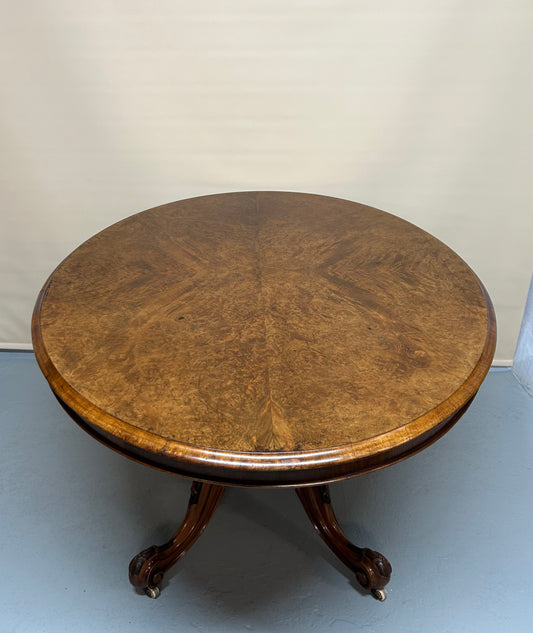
(421, 108)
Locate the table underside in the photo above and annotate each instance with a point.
(277, 474)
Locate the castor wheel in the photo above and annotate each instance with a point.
(152, 592)
(379, 594)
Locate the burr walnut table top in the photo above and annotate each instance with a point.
(264, 338)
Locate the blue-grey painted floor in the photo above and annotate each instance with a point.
(456, 521)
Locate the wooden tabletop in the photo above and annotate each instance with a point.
(264, 338)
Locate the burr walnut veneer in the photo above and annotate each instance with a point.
(264, 339)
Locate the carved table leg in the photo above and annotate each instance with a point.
(149, 566)
(371, 568)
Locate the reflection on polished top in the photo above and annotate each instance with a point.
(264, 322)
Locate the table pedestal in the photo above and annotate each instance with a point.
(371, 568)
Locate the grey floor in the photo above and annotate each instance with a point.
(455, 521)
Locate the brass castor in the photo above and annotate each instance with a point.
(152, 592)
(379, 594)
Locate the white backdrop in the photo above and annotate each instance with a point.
(419, 107)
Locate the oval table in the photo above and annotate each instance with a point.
(264, 339)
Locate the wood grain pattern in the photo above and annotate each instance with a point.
(241, 337)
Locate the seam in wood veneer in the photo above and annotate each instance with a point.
(390, 443)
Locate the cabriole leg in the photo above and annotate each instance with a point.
(149, 566)
(371, 568)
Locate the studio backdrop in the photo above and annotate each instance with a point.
(418, 107)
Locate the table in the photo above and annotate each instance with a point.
(264, 339)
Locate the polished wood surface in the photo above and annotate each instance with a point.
(264, 338)
(372, 569)
(148, 568)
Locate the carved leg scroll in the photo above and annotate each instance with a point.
(149, 566)
(371, 568)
